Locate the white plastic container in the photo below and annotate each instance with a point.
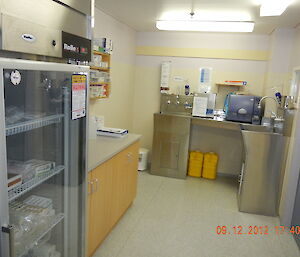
(143, 159)
(205, 80)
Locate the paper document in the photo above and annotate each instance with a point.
(200, 106)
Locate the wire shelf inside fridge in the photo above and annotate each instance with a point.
(24, 188)
(32, 124)
(38, 235)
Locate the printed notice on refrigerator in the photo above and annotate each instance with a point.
(78, 96)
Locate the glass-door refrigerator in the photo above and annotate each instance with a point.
(43, 108)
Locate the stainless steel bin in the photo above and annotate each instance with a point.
(260, 178)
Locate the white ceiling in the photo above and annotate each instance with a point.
(142, 14)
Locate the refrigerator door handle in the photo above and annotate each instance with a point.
(10, 230)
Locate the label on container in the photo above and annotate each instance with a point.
(78, 96)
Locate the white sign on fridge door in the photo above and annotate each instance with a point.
(78, 96)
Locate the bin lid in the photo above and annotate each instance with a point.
(144, 150)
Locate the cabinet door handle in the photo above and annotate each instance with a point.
(10, 230)
(90, 187)
(96, 182)
(129, 156)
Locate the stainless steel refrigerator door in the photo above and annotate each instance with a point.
(41, 94)
(4, 220)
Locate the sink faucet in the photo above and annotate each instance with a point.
(271, 97)
(177, 100)
(187, 105)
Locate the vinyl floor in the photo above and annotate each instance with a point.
(179, 218)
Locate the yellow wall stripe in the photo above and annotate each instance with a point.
(203, 53)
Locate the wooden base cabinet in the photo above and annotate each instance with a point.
(112, 189)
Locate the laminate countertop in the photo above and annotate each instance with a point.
(103, 148)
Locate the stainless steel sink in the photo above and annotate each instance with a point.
(256, 128)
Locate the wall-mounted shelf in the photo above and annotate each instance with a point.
(99, 68)
(101, 90)
(98, 97)
(229, 85)
(99, 83)
(100, 53)
(105, 58)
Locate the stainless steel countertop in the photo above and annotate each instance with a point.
(103, 148)
(224, 124)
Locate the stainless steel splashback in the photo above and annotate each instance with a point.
(35, 26)
(176, 104)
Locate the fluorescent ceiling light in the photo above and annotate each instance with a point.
(203, 15)
(212, 26)
(274, 7)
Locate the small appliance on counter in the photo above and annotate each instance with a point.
(244, 108)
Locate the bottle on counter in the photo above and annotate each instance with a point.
(187, 89)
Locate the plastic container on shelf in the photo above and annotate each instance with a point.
(99, 77)
(210, 165)
(45, 250)
(195, 164)
(21, 168)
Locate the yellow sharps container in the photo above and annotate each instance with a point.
(195, 164)
(210, 165)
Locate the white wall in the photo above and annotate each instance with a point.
(290, 182)
(278, 74)
(234, 41)
(296, 49)
(117, 109)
